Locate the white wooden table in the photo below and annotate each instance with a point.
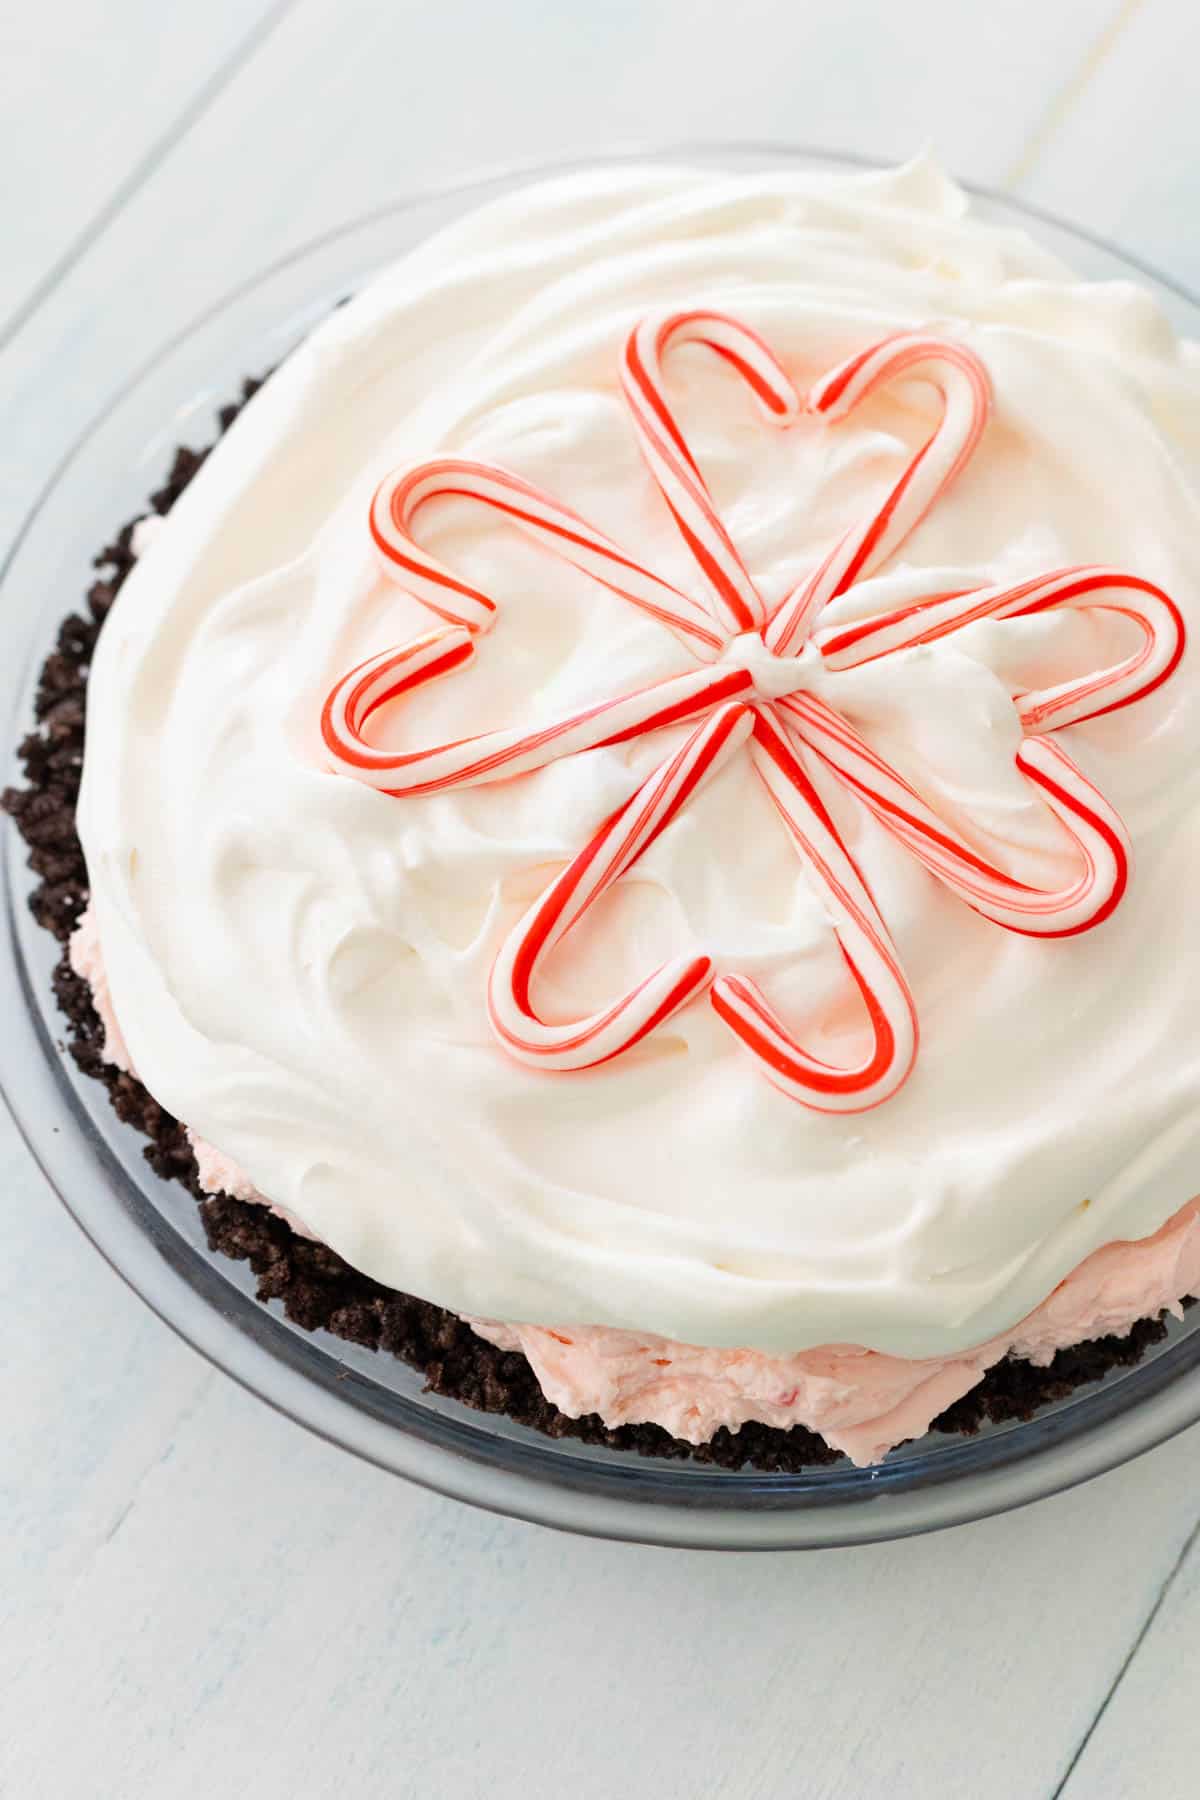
(198, 1600)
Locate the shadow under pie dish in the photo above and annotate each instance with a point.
(317, 1286)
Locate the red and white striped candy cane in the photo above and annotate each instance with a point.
(581, 1043)
(865, 943)
(1158, 619)
(1096, 829)
(494, 755)
(739, 606)
(962, 382)
(784, 730)
(401, 496)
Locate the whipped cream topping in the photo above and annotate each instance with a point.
(774, 676)
(299, 965)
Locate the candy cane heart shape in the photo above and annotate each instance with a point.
(1162, 637)
(581, 1043)
(739, 606)
(865, 944)
(1097, 830)
(401, 496)
(495, 755)
(966, 395)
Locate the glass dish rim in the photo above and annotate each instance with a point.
(290, 1380)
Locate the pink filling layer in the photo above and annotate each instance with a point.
(861, 1401)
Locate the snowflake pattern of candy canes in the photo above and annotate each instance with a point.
(747, 688)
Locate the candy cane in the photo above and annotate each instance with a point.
(1096, 829)
(613, 850)
(864, 941)
(494, 755)
(962, 382)
(736, 700)
(401, 496)
(1158, 619)
(739, 605)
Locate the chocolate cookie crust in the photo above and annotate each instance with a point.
(315, 1287)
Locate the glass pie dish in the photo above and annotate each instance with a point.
(150, 1230)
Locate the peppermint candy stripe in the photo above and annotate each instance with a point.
(494, 755)
(613, 850)
(1154, 613)
(739, 606)
(400, 497)
(865, 943)
(962, 382)
(1096, 829)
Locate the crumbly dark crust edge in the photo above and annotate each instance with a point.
(315, 1288)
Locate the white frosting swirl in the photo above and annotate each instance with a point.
(299, 965)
